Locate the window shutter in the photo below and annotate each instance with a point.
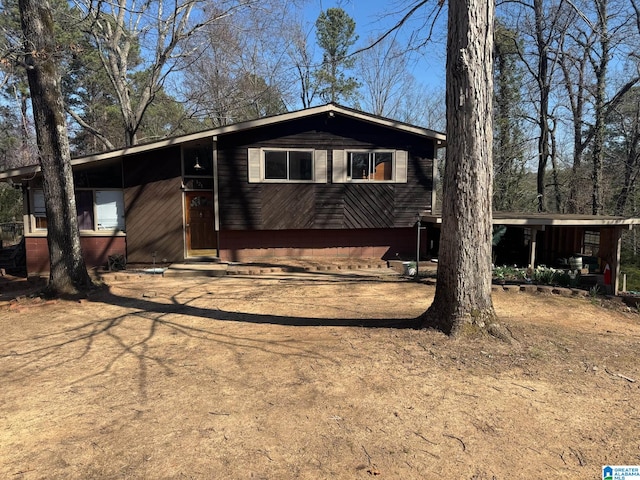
(255, 159)
(320, 166)
(401, 166)
(339, 166)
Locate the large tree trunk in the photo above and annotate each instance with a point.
(463, 291)
(599, 107)
(543, 116)
(68, 273)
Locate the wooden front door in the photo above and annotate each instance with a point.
(200, 221)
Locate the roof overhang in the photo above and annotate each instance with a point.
(330, 109)
(541, 220)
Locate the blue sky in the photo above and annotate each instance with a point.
(373, 17)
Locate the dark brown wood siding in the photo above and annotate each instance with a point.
(153, 206)
(270, 206)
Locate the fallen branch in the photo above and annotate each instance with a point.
(578, 454)
(432, 454)
(464, 447)
(425, 438)
(266, 454)
(367, 454)
(531, 389)
(628, 379)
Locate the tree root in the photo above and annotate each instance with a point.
(501, 333)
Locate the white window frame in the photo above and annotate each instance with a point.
(371, 154)
(340, 162)
(257, 167)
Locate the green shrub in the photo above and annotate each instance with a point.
(550, 276)
(10, 204)
(633, 276)
(509, 273)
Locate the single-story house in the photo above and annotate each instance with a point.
(327, 180)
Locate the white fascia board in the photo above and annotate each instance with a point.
(440, 138)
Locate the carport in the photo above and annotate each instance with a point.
(552, 239)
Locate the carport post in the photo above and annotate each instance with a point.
(615, 274)
(532, 246)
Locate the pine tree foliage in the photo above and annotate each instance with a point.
(335, 32)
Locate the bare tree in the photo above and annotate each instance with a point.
(623, 150)
(569, 48)
(611, 29)
(68, 273)
(540, 26)
(240, 73)
(150, 37)
(574, 61)
(463, 292)
(301, 55)
(383, 72)
(422, 105)
(545, 31)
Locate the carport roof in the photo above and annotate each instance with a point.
(552, 219)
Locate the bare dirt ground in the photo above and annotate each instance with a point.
(311, 376)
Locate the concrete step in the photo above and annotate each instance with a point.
(196, 269)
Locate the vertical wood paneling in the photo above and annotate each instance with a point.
(153, 206)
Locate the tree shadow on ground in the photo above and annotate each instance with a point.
(176, 307)
(139, 321)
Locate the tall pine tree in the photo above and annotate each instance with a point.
(335, 31)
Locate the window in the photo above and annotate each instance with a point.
(591, 243)
(369, 166)
(283, 165)
(288, 165)
(39, 211)
(376, 166)
(109, 210)
(105, 206)
(84, 209)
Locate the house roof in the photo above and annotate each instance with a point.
(328, 109)
(550, 219)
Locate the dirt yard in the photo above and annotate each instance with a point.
(311, 376)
